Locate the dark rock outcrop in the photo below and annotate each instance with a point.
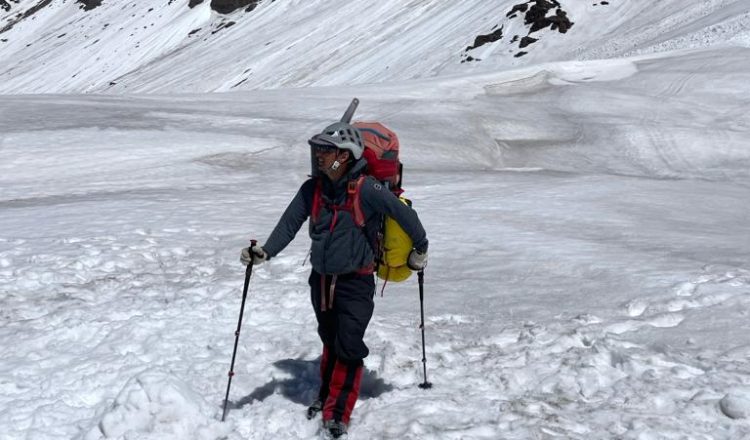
(525, 41)
(223, 25)
(88, 5)
(560, 21)
(481, 40)
(537, 15)
(29, 12)
(229, 6)
(523, 7)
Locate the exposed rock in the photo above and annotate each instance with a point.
(229, 6)
(517, 8)
(223, 25)
(88, 5)
(31, 11)
(536, 16)
(525, 41)
(239, 83)
(5, 6)
(560, 21)
(481, 40)
(469, 59)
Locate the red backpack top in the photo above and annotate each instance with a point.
(381, 152)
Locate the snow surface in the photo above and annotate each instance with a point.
(588, 217)
(588, 278)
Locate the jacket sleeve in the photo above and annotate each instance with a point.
(292, 219)
(378, 199)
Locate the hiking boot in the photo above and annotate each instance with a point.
(335, 429)
(314, 408)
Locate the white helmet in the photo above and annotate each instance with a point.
(342, 136)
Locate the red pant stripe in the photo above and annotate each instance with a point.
(344, 390)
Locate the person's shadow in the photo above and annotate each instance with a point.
(303, 386)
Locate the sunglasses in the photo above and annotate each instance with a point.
(324, 149)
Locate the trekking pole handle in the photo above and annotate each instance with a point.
(249, 267)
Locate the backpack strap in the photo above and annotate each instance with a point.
(353, 202)
(353, 205)
(317, 201)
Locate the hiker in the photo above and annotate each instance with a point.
(342, 254)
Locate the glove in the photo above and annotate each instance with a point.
(256, 254)
(417, 260)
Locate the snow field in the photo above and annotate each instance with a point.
(588, 273)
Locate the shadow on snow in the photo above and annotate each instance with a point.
(303, 386)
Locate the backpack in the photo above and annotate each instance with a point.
(393, 245)
(382, 155)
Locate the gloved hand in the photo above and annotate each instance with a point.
(256, 254)
(417, 260)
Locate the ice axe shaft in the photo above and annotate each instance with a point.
(349, 113)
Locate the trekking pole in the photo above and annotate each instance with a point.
(248, 273)
(425, 385)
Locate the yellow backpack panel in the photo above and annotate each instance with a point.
(396, 248)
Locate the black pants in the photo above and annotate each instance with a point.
(342, 326)
(343, 313)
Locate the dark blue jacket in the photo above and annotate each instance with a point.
(347, 248)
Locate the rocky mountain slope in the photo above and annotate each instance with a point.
(167, 46)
